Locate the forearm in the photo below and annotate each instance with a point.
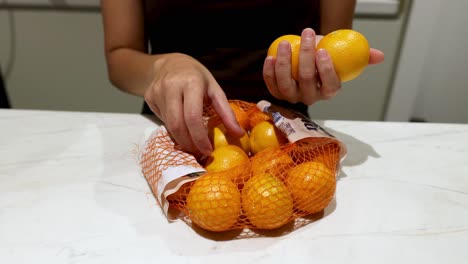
(130, 70)
(336, 14)
(129, 66)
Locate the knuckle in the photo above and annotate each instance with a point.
(192, 118)
(308, 100)
(283, 61)
(327, 94)
(192, 80)
(307, 76)
(174, 126)
(283, 89)
(175, 81)
(307, 47)
(199, 139)
(268, 74)
(170, 81)
(148, 98)
(327, 68)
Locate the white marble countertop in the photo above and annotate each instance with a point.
(71, 191)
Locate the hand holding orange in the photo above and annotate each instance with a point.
(348, 49)
(295, 42)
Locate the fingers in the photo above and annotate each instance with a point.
(285, 85)
(330, 82)
(317, 79)
(149, 99)
(269, 76)
(221, 106)
(155, 109)
(175, 123)
(193, 116)
(307, 70)
(376, 56)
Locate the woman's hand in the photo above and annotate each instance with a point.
(317, 79)
(180, 88)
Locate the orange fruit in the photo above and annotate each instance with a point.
(214, 203)
(295, 42)
(329, 156)
(349, 50)
(273, 160)
(256, 116)
(219, 137)
(312, 186)
(266, 201)
(265, 135)
(225, 158)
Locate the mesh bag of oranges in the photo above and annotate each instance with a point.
(283, 169)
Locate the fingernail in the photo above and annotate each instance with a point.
(284, 46)
(322, 54)
(308, 33)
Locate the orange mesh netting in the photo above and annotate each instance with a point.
(274, 187)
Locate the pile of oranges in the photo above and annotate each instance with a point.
(261, 180)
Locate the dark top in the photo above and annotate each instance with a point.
(230, 38)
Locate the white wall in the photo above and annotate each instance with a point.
(54, 59)
(443, 92)
(431, 79)
(365, 97)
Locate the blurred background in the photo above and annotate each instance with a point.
(52, 58)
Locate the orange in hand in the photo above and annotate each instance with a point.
(348, 49)
(295, 42)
